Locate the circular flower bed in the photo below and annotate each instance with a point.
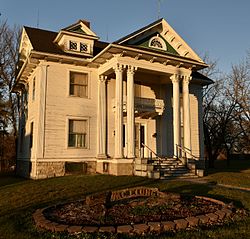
(127, 211)
(135, 210)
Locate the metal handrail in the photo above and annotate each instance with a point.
(152, 152)
(184, 150)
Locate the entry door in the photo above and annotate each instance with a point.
(139, 139)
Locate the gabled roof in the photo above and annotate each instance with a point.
(81, 27)
(166, 32)
(133, 34)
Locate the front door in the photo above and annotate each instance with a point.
(139, 139)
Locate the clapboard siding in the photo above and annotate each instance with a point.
(60, 107)
(195, 101)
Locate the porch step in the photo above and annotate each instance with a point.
(168, 168)
(179, 177)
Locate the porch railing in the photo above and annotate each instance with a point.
(143, 105)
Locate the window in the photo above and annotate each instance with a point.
(77, 133)
(73, 45)
(83, 47)
(158, 43)
(78, 84)
(31, 134)
(34, 89)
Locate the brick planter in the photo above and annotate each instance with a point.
(143, 228)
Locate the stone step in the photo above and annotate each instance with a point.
(179, 177)
(174, 170)
(179, 174)
(167, 166)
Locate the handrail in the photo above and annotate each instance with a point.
(184, 149)
(159, 158)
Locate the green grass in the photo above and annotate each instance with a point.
(20, 198)
(236, 174)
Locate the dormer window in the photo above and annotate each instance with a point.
(83, 47)
(78, 47)
(73, 46)
(158, 43)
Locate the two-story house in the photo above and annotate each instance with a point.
(122, 108)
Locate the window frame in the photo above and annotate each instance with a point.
(160, 40)
(34, 89)
(88, 83)
(73, 42)
(87, 119)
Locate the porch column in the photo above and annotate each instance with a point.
(131, 111)
(118, 112)
(101, 118)
(186, 112)
(176, 112)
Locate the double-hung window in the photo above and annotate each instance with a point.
(78, 133)
(78, 84)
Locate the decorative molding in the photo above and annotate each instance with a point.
(153, 59)
(187, 79)
(131, 69)
(122, 53)
(103, 78)
(138, 56)
(167, 62)
(118, 68)
(179, 65)
(175, 78)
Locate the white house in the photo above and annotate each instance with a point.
(131, 107)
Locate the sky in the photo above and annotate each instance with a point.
(219, 27)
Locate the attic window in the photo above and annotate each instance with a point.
(158, 43)
(73, 45)
(83, 47)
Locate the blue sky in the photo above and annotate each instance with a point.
(219, 27)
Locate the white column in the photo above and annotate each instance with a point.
(101, 118)
(118, 112)
(131, 111)
(186, 112)
(176, 112)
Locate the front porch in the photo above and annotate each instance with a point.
(143, 101)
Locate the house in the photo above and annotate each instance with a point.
(125, 108)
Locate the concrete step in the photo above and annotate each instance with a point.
(178, 174)
(179, 177)
(174, 170)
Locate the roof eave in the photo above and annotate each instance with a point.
(200, 65)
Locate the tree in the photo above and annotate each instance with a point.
(9, 46)
(226, 112)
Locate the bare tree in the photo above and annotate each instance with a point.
(9, 45)
(226, 112)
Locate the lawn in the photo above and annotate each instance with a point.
(20, 198)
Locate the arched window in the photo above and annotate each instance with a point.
(158, 43)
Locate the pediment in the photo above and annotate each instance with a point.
(25, 46)
(162, 37)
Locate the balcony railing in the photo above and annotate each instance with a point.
(144, 105)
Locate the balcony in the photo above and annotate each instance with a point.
(144, 107)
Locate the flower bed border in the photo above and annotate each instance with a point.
(150, 227)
